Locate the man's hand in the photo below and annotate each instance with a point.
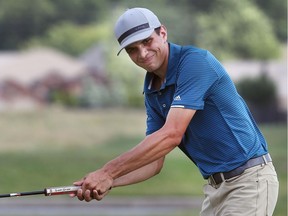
(95, 185)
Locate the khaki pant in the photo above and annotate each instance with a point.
(254, 193)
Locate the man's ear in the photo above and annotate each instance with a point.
(163, 32)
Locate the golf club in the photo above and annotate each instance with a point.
(47, 191)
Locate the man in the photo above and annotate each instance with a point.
(192, 104)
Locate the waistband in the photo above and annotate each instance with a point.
(218, 178)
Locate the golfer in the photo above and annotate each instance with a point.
(191, 103)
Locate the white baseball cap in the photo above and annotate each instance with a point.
(134, 25)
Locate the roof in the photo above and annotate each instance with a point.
(30, 65)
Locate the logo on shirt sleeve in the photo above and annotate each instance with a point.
(177, 98)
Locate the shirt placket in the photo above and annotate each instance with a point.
(162, 103)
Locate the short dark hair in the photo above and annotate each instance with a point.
(157, 30)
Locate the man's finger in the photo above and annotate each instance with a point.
(80, 195)
(87, 196)
(78, 183)
(97, 196)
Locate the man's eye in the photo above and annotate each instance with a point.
(130, 50)
(147, 41)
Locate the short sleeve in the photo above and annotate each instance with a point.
(196, 75)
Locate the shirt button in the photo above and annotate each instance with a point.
(164, 105)
(159, 93)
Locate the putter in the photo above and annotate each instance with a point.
(47, 191)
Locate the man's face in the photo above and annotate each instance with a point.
(151, 52)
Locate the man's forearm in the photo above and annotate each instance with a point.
(152, 148)
(140, 174)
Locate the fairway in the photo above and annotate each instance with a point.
(56, 147)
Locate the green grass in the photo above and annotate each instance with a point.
(38, 168)
(64, 146)
(276, 136)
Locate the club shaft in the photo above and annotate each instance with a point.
(47, 191)
(22, 194)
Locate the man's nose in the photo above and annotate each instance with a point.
(143, 52)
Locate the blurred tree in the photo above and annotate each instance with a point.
(261, 96)
(237, 29)
(19, 20)
(276, 10)
(127, 77)
(260, 90)
(79, 11)
(62, 97)
(194, 5)
(94, 95)
(71, 38)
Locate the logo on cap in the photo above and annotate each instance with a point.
(133, 30)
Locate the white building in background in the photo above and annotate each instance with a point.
(26, 75)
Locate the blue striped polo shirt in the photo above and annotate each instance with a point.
(222, 135)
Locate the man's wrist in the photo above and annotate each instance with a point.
(110, 171)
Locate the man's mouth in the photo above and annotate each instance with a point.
(147, 59)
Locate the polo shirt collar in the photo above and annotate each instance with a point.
(173, 59)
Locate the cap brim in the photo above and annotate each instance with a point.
(134, 38)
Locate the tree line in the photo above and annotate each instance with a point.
(234, 28)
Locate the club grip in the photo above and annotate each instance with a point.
(61, 190)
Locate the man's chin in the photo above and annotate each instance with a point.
(149, 68)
